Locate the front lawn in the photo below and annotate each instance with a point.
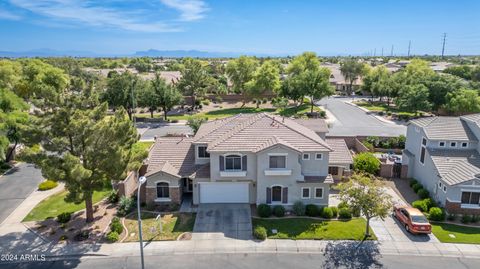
(55, 204)
(462, 234)
(305, 228)
(380, 106)
(172, 224)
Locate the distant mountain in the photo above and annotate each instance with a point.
(47, 53)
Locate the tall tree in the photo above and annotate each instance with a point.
(352, 70)
(365, 195)
(165, 95)
(414, 98)
(195, 79)
(374, 81)
(241, 71)
(316, 84)
(121, 91)
(463, 101)
(266, 78)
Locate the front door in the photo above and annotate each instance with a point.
(187, 184)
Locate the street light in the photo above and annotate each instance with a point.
(141, 180)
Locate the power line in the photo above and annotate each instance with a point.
(391, 52)
(409, 45)
(443, 45)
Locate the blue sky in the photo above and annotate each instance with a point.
(264, 26)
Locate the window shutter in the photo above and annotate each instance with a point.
(244, 163)
(285, 195)
(269, 195)
(222, 163)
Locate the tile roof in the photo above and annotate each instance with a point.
(254, 132)
(316, 179)
(456, 166)
(316, 125)
(341, 153)
(445, 128)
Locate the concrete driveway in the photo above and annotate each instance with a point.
(351, 120)
(223, 221)
(16, 185)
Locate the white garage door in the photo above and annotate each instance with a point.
(224, 192)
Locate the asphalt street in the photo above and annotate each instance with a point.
(351, 120)
(255, 261)
(16, 185)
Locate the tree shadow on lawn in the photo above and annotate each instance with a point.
(354, 255)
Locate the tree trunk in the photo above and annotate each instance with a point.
(244, 101)
(367, 231)
(312, 104)
(129, 112)
(151, 113)
(193, 102)
(89, 207)
(165, 110)
(258, 103)
(11, 151)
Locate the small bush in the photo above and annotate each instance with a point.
(116, 226)
(436, 214)
(113, 237)
(260, 232)
(413, 182)
(47, 185)
(416, 187)
(126, 205)
(423, 193)
(112, 196)
(344, 213)
(420, 205)
(4, 166)
(475, 218)
(342, 204)
(206, 102)
(311, 210)
(327, 213)
(279, 211)
(299, 208)
(64, 217)
(466, 219)
(264, 210)
(334, 211)
(63, 237)
(451, 217)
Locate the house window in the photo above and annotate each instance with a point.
(444, 188)
(333, 170)
(306, 156)
(202, 152)
(422, 155)
(305, 193)
(233, 162)
(318, 193)
(464, 144)
(424, 141)
(163, 190)
(453, 144)
(277, 194)
(318, 156)
(472, 198)
(442, 143)
(278, 162)
(440, 185)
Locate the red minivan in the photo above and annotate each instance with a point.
(413, 220)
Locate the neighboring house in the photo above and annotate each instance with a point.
(442, 153)
(338, 81)
(247, 158)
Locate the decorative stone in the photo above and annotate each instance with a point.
(274, 231)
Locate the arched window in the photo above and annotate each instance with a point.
(233, 162)
(163, 190)
(276, 194)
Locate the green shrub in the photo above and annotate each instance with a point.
(312, 210)
(116, 226)
(475, 218)
(423, 193)
(366, 162)
(113, 237)
(4, 166)
(420, 205)
(64, 217)
(112, 196)
(299, 208)
(429, 202)
(344, 213)
(264, 210)
(342, 204)
(368, 145)
(417, 187)
(327, 213)
(47, 185)
(334, 211)
(260, 232)
(126, 205)
(436, 214)
(451, 217)
(413, 182)
(466, 219)
(63, 237)
(279, 211)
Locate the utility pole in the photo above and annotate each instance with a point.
(391, 52)
(375, 52)
(409, 44)
(443, 45)
(382, 51)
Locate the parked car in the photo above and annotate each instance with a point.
(413, 220)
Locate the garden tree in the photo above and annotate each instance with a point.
(439, 86)
(13, 119)
(413, 98)
(10, 74)
(316, 84)
(290, 89)
(374, 81)
(142, 65)
(366, 162)
(352, 70)
(417, 71)
(303, 62)
(476, 74)
(463, 71)
(121, 91)
(195, 123)
(364, 194)
(82, 145)
(195, 79)
(166, 96)
(463, 101)
(266, 78)
(241, 71)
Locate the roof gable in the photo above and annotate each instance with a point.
(445, 128)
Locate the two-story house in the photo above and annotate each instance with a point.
(442, 153)
(247, 158)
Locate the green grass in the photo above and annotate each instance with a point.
(299, 111)
(377, 107)
(144, 145)
(463, 234)
(55, 204)
(172, 224)
(304, 228)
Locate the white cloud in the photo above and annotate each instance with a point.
(190, 10)
(91, 13)
(8, 15)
